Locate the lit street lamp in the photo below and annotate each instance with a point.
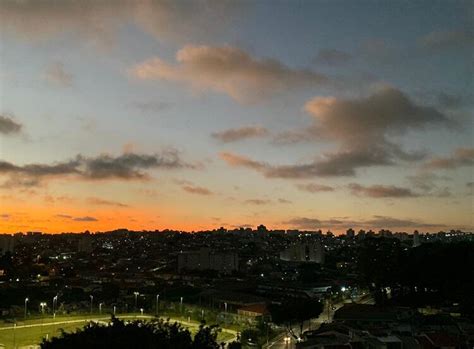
(115, 308)
(92, 300)
(26, 305)
(136, 298)
(100, 308)
(55, 302)
(181, 304)
(157, 303)
(42, 305)
(141, 311)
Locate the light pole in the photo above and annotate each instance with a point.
(181, 304)
(26, 306)
(100, 308)
(92, 300)
(55, 302)
(115, 308)
(42, 305)
(141, 311)
(202, 314)
(157, 304)
(225, 311)
(136, 299)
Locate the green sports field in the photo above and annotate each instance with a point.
(31, 332)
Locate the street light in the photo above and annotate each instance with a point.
(115, 308)
(225, 311)
(42, 305)
(26, 303)
(100, 308)
(141, 311)
(92, 299)
(181, 304)
(55, 300)
(157, 303)
(136, 298)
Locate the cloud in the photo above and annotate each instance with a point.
(98, 21)
(77, 219)
(362, 129)
(442, 40)
(102, 202)
(460, 158)
(258, 202)
(470, 184)
(332, 57)
(5, 216)
(196, 190)
(85, 219)
(314, 188)
(376, 222)
(427, 183)
(381, 191)
(284, 201)
(56, 75)
(228, 70)
(8, 126)
(127, 166)
(237, 134)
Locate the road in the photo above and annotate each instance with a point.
(326, 316)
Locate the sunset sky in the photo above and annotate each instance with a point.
(199, 114)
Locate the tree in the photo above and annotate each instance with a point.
(157, 334)
(295, 311)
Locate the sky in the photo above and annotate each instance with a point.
(193, 115)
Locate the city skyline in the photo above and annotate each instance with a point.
(195, 115)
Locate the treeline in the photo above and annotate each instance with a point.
(438, 274)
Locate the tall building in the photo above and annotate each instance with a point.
(304, 252)
(7, 244)
(416, 238)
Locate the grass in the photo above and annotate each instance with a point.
(12, 338)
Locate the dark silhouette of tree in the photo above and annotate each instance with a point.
(295, 311)
(157, 334)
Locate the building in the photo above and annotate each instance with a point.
(205, 259)
(7, 244)
(304, 252)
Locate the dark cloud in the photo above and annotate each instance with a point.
(196, 190)
(314, 188)
(102, 202)
(8, 126)
(257, 202)
(64, 216)
(376, 222)
(361, 127)
(428, 184)
(284, 201)
(332, 57)
(470, 184)
(460, 158)
(77, 219)
(381, 191)
(127, 166)
(237, 134)
(85, 219)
